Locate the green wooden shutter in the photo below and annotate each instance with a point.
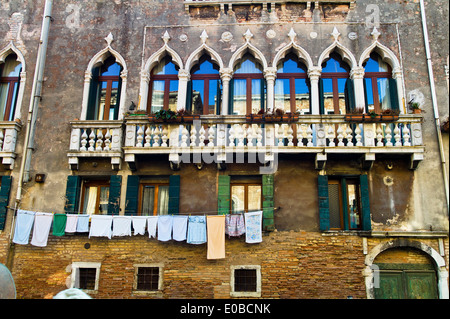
(93, 96)
(119, 96)
(132, 195)
(174, 194)
(4, 199)
(344, 207)
(219, 97)
(263, 94)
(189, 96)
(114, 195)
(365, 202)
(349, 93)
(324, 205)
(224, 195)
(366, 100)
(393, 92)
(230, 97)
(72, 194)
(268, 202)
(321, 98)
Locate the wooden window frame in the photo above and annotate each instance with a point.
(292, 77)
(12, 81)
(246, 185)
(374, 76)
(334, 76)
(155, 199)
(109, 83)
(248, 94)
(345, 209)
(205, 78)
(93, 183)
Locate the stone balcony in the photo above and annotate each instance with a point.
(212, 138)
(8, 138)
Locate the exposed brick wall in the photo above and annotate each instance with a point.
(294, 264)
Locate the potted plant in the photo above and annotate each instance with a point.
(186, 116)
(415, 107)
(163, 116)
(389, 115)
(355, 115)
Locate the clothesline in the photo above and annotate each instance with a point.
(193, 229)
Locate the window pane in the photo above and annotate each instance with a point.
(328, 96)
(383, 93)
(291, 65)
(334, 64)
(12, 67)
(245, 280)
(13, 102)
(104, 196)
(90, 200)
(198, 96)
(254, 197)
(173, 95)
(147, 278)
(240, 97)
(111, 70)
(248, 64)
(163, 200)
(302, 96)
(157, 96)
(237, 198)
(86, 278)
(114, 100)
(206, 67)
(148, 197)
(353, 206)
(4, 88)
(256, 96)
(335, 212)
(102, 87)
(213, 103)
(341, 90)
(282, 97)
(369, 95)
(166, 67)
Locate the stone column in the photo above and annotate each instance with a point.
(314, 75)
(226, 75)
(87, 85)
(144, 88)
(183, 79)
(357, 74)
(270, 75)
(397, 75)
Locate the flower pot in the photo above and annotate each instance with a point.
(417, 111)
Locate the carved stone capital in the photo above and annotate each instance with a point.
(357, 73)
(226, 74)
(270, 73)
(314, 73)
(184, 75)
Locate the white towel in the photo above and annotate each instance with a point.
(253, 227)
(41, 229)
(71, 223)
(165, 227)
(139, 224)
(24, 224)
(100, 226)
(179, 227)
(152, 222)
(121, 226)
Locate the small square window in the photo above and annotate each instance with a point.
(246, 281)
(85, 276)
(147, 278)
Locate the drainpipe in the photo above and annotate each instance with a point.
(434, 100)
(34, 100)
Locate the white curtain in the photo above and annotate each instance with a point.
(163, 200)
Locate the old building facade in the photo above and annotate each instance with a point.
(303, 110)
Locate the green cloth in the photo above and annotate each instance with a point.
(59, 224)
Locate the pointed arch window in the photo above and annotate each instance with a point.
(9, 87)
(104, 95)
(163, 86)
(248, 87)
(204, 88)
(292, 86)
(380, 89)
(334, 86)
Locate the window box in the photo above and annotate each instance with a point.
(371, 118)
(271, 118)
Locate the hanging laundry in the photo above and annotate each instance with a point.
(71, 223)
(196, 230)
(216, 236)
(24, 223)
(179, 227)
(100, 226)
(152, 224)
(253, 227)
(139, 223)
(234, 225)
(121, 226)
(41, 229)
(83, 223)
(59, 224)
(165, 227)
